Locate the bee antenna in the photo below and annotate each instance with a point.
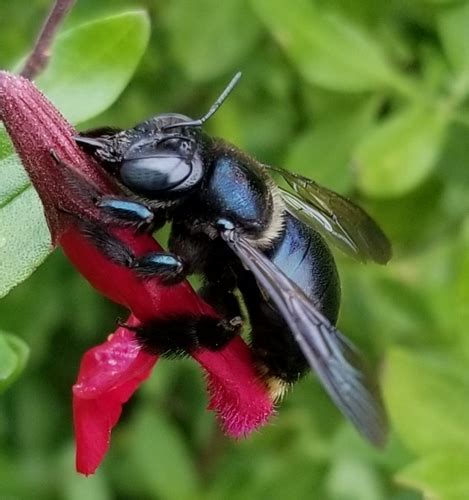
(213, 109)
(89, 141)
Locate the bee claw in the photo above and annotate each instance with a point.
(233, 325)
(122, 324)
(236, 322)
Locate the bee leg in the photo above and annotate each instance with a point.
(225, 302)
(182, 334)
(127, 212)
(118, 211)
(165, 265)
(185, 333)
(277, 356)
(275, 348)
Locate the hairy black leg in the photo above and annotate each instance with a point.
(194, 249)
(121, 211)
(211, 259)
(274, 348)
(124, 211)
(225, 302)
(80, 186)
(182, 334)
(220, 295)
(129, 212)
(167, 266)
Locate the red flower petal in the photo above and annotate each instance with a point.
(147, 299)
(109, 374)
(236, 393)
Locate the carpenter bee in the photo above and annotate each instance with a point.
(243, 233)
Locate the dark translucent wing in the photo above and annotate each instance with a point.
(338, 219)
(335, 360)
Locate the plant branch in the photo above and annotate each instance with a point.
(40, 54)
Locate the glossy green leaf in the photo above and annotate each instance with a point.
(92, 63)
(427, 400)
(441, 476)
(24, 235)
(324, 152)
(399, 153)
(208, 41)
(13, 356)
(327, 49)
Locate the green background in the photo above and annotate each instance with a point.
(369, 98)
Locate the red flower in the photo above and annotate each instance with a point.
(112, 371)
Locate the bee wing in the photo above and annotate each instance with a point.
(335, 360)
(338, 219)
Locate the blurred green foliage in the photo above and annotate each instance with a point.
(369, 98)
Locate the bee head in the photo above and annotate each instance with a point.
(163, 156)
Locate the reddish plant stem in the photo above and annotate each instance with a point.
(40, 54)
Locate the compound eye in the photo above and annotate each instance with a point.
(153, 175)
(162, 165)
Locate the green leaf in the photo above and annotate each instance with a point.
(327, 49)
(324, 152)
(435, 70)
(452, 28)
(399, 154)
(427, 400)
(92, 63)
(6, 147)
(13, 356)
(24, 237)
(7, 362)
(218, 41)
(259, 116)
(160, 458)
(460, 295)
(442, 476)
(350, 479)
(443, 2)
(288, 474)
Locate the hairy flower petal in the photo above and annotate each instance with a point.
(236, 394)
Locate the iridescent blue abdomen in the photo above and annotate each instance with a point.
(304, 257)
